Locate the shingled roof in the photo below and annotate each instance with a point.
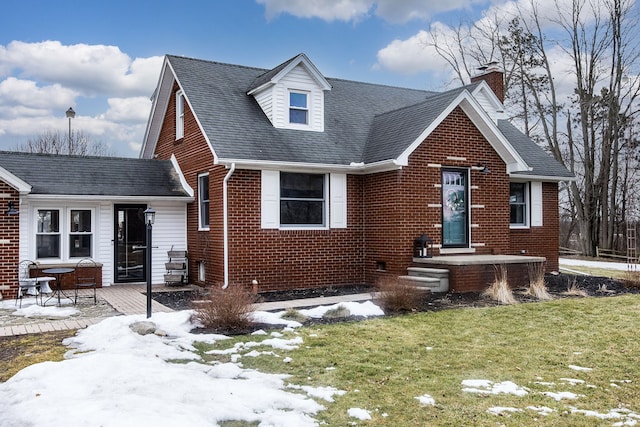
(94, 176)
(363, 123)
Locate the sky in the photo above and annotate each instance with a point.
(114, 376)
(103, 59)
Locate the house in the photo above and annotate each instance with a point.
(304, 181)
(56, 210)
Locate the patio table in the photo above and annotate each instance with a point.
(58, 273)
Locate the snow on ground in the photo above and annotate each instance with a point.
(112, 376)
(595, 264)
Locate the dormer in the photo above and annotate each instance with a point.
(292, 95)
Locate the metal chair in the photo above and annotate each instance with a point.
(26, 284)
(86, 277)
(31, 285)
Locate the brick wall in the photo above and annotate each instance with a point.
(400, 205)
(540, 241)
(195, 157)
(278, 259)
(9, 242)
(386, 212)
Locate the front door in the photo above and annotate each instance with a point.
(455, 208)
(130, 243)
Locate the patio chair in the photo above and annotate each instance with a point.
(86, 277)
(27, 285)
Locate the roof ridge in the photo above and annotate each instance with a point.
(247, 67)
(432, 98)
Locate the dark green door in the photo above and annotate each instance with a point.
(455, 208)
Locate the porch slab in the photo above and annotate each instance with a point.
(469, 259)
(474, 273)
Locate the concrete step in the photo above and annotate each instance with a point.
(436, 279)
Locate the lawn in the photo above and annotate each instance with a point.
(571, 361)
(385, 364)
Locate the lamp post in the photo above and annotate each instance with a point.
(149, 219)
(70, 115)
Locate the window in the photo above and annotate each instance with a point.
(48, 234)
(64, 233)
(518, 198)
(179, 115)
(203, 201)
(298, 110)
(302, 199)
(80, 233)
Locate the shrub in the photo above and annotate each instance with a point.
(574, 290)
(340, 312)
(293, 314)
(227, 310)
(632, 279)
(537, 286)
(499, 290)
(399, 296)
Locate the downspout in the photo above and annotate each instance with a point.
(225, 226)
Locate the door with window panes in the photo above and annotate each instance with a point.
(455, 208)
(130, 243)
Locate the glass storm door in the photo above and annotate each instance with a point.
(455, 208)
(130, 243)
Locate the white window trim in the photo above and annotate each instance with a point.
(180, 101)
(308, 109)
(527, 207)
(335, 206)
(533, 205)
(64, 233)
(202, 227)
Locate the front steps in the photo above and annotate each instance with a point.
(434, 279)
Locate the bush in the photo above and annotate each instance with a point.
(632, 279)
(227, 310)
(340, 312)
(399, 296)
(499, 289)
(537, 286)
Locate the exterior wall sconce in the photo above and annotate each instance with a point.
(11, 209)
(423, 247)
(484, 168)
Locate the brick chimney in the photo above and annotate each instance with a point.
(494, 76)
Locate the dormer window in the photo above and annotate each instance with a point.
(298, 108)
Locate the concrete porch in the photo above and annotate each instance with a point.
(469, 272)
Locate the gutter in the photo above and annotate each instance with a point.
(225, 226)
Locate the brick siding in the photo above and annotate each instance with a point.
(386, 212)
(9, 243)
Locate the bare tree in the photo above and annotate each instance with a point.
(596, 140)
(57, 142)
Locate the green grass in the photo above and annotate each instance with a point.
(18, 352)
(384, 364)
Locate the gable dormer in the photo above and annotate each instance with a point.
(292, 95)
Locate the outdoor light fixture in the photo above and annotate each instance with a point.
(11, 209)
(484, 168)
(149, 216)
(149, 219)
(70, 115)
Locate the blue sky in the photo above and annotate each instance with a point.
(103, 58)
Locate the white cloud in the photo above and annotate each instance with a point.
(135, 109)
(88, 69)
(394, 11)
(108, 89)
(408, 56)
(329, 10)
(25, 97)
